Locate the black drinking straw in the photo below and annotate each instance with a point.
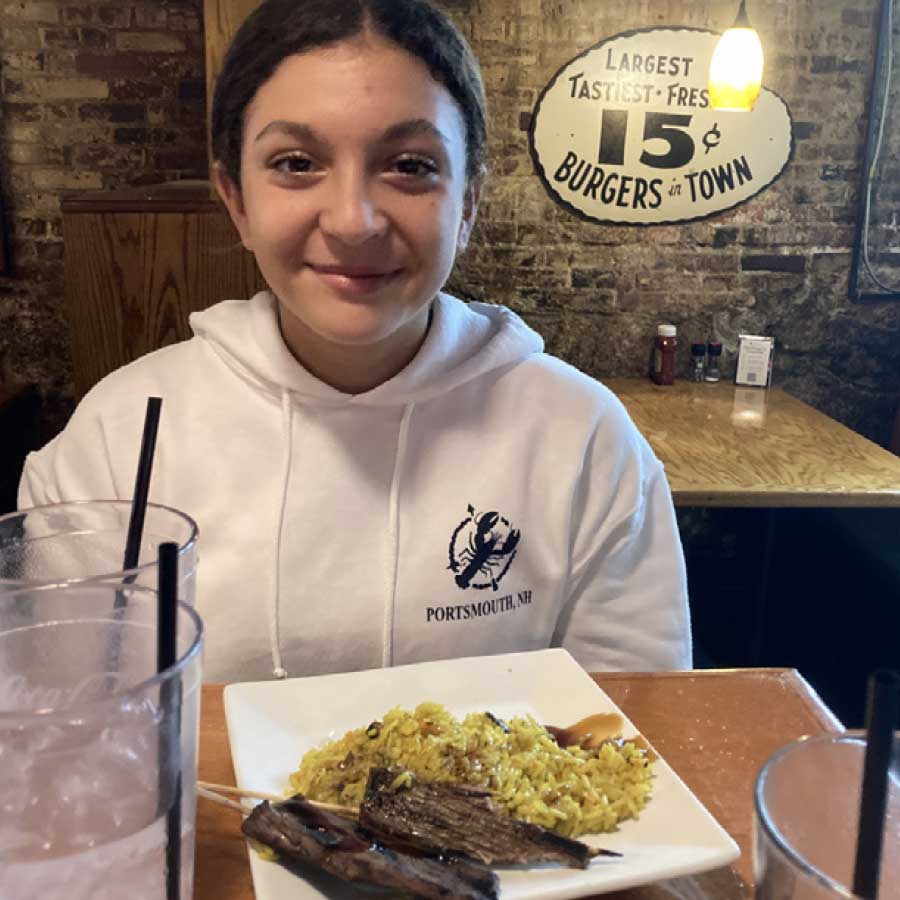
(170, 706)
(135, 523)
(142, 485)
(883, 704)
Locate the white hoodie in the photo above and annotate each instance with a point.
(487, 499)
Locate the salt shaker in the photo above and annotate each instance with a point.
(698, 362)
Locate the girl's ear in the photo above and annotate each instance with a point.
(230, 194)
(470, 211)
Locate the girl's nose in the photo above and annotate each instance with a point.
(351, 213)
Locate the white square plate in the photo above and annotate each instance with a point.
(272, 724)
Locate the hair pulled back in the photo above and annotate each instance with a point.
(278, 29)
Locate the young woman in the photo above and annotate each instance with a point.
(381, 473)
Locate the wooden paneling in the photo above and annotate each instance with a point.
(135, 273)
(221, 19)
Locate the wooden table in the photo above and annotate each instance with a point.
(714, 727)
(741, 446)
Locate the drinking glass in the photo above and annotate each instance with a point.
(84, 541)
(96, 747)
(806, 806)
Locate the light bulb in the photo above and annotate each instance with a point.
(735, 73)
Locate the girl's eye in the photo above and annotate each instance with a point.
(292, 165)
(416, 166)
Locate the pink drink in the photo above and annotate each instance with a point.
(86, 772)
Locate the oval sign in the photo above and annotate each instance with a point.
(624, 133)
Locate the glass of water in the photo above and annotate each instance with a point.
(96, 747)
(806, 808)
(65, 543)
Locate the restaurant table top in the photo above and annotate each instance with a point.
(715, 728)
(724, 445)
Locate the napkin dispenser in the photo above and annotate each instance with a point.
(754, 363)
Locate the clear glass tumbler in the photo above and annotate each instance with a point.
(96, 748)
(806, 806)
(81, 541)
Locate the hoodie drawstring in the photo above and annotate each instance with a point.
(287, 411)
(387, 638)
(287, 425)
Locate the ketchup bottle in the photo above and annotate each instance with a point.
(663, 371)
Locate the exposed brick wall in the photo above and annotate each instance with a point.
(776, 265)
(102, 94)
(95, 94)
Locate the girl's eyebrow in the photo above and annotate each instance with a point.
(293, 129)
(412, 128)
(302, 132)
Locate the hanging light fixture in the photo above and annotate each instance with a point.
(735, 73)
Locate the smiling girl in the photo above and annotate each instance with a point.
(381, 473)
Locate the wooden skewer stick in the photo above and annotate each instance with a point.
(218, 798)
(239, 792)
(203, 790)
(209, 786)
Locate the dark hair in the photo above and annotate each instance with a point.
(281, 28)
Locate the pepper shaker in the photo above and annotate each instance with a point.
(714, 353)
(698, 362)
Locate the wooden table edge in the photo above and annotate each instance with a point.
(816, 705)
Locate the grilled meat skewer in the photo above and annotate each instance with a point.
(299, 832)
(441, 818)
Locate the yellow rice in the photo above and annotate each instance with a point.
(572, 791)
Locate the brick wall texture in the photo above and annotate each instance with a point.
(103, 94)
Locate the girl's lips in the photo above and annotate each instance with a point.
(353, 283)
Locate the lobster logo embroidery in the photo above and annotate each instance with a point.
(482, 549)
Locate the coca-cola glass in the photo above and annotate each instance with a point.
(84, 541)
(98, 751)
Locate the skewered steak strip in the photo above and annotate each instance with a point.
(297, 831)
(461, 819)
